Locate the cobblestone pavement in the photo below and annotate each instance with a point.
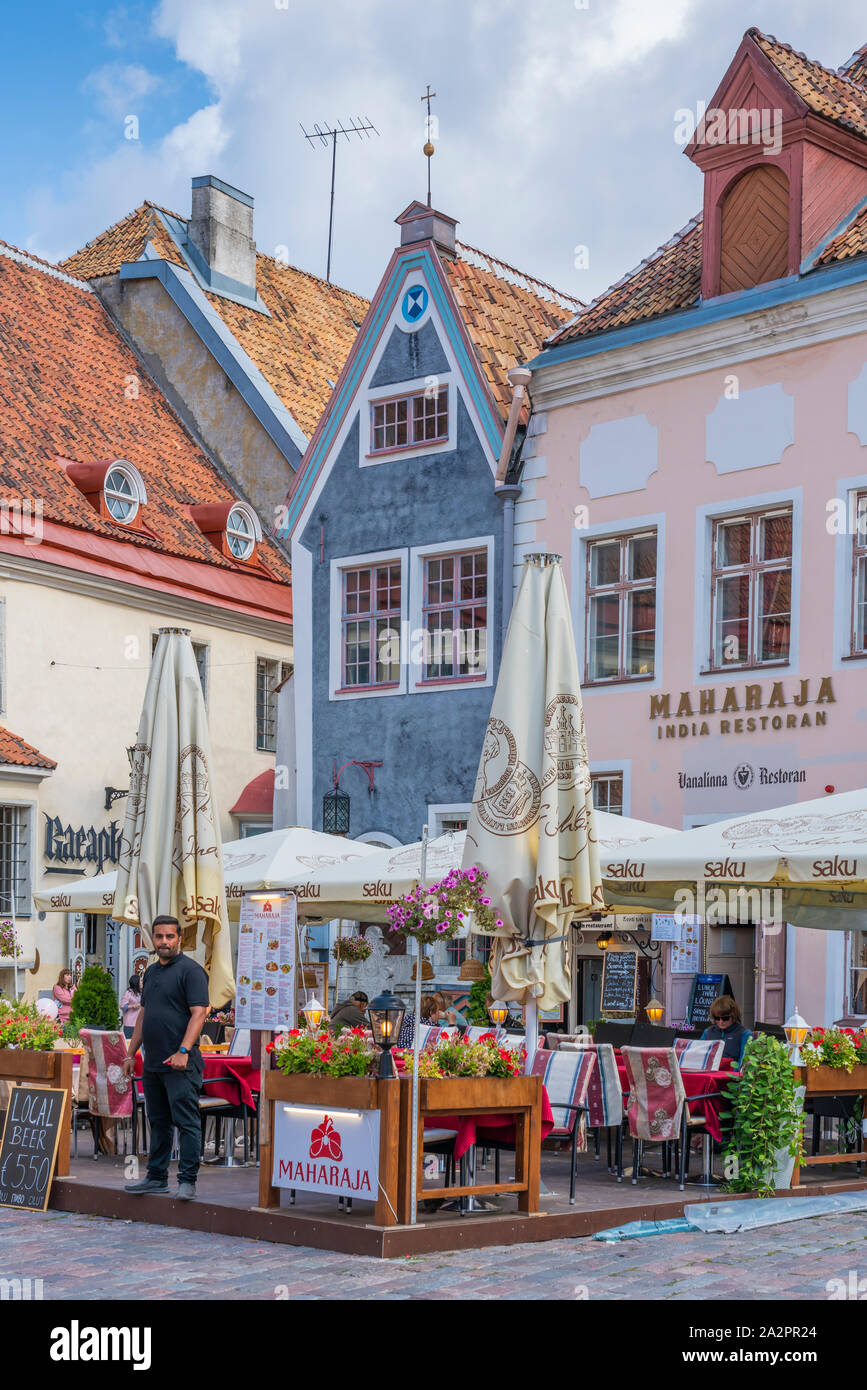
(72, 1253)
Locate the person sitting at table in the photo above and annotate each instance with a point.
(352, 1013)
(446, 1013)
(406, 1036)
(725, 1016)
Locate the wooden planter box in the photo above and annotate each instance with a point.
(47, 1069)
(482, 1095)
(833, 1081)
(341, 1093)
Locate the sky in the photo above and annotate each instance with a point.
(556, 148)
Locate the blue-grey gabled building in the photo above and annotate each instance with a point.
(402, 528)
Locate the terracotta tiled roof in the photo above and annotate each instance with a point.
(71, 388)
(668, 280)
(14, 750)
(850, 242)
(508, 314)
(830, 94)
(856, 67)
(299, 350)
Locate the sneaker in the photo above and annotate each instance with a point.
(153, 1185)
(186, 1191)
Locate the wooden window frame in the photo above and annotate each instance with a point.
(440, 416)
(754, 568)
(454, 607)
(596, 779)
(858, 557)
(373, 616)
(622, 589)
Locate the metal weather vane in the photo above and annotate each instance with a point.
(428, 144)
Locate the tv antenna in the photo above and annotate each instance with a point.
(363, 128)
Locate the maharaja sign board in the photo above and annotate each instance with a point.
(756, 707)
(327, 1150)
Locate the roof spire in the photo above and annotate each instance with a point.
(430, 129)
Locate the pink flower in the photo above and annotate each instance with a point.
(429, 910)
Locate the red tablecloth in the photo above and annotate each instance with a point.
(474, 1129)
(247, 1078)
(697, 1083)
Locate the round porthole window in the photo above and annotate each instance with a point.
(240, 533)
(122, 496)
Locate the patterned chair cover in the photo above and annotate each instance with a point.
(656, 1092)
(566, 1078)
(699, 1055)
(557, 1040)
(109, 1091)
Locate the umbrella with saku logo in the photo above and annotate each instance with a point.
(170, 857)
(532, 826)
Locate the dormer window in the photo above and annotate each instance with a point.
(406, 422)
(124, 492)
(241, 533)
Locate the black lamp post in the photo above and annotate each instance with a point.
(386, 1014)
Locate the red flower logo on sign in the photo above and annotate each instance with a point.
(325, 1141)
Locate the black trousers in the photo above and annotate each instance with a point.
(172, 1101)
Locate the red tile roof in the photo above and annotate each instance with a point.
(827, 93)
(508, 314)
(852, 241)
(14, 750)
(299, 350)
(71, 388)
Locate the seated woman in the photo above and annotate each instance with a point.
(725, 1016)
(406, 1037)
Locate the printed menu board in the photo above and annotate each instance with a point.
(686, 953)
(266, 962)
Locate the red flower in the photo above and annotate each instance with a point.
(269, 1047)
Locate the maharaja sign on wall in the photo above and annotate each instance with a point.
(745, 702)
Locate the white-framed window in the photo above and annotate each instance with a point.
(608, 792)
(620, 599)
(202, 653)
(451, 614)
(751, 589)
(409, 421)
(16, 858)
(247, 828)
(858, 633)
(370, 626)
(270, 672)
(857, 974)
(448, 816)
(124, 492)
(242, 531)
(2, 655)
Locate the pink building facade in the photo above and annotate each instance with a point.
(700, 463)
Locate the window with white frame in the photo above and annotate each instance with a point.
(269, 674)
(2, 655)
(621, 607)
(404, 422)
(751, 589)
(608, 792)
(455, 616)
(370, 626)
(858, 973)
(15, 860)
(201, 651)
(858, 644)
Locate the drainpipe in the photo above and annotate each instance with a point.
(519, 377)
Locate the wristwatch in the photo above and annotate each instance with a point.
(185, 1050)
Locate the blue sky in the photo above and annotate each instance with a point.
(556, 118)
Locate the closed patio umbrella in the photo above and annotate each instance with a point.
(532, 824)
(170, 856)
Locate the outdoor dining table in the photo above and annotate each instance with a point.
(239, 1091)
(475, 1129)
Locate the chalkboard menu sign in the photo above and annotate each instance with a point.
(705, 989)
(29, 1147)
(619, 980)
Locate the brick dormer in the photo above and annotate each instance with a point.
(783, 149)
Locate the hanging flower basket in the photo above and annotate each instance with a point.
(446, 909)
(9, 946)
(351, 950)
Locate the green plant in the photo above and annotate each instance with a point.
(460, 1057)
(766, 1116)
(9, 945)
(23, 1027)
(426, 914)
(94, 1003)
(477, 1008)
(351, 950)
(322, 1055)
(835, 1047)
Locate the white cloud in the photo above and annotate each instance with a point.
(120, 88)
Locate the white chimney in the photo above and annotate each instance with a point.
(221, 228)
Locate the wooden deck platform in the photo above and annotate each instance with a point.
(227, 1205)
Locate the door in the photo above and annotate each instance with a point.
(75, 944)
(771, 972)
(731, 951)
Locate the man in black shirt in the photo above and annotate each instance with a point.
(174, 999)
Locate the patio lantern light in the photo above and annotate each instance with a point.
(386, 1014)
(603, 940)
(796, 1029)
(498, 1012)
(335, 812)
(313, 1012)
(654, 1011)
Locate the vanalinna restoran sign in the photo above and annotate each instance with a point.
(743, 709)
